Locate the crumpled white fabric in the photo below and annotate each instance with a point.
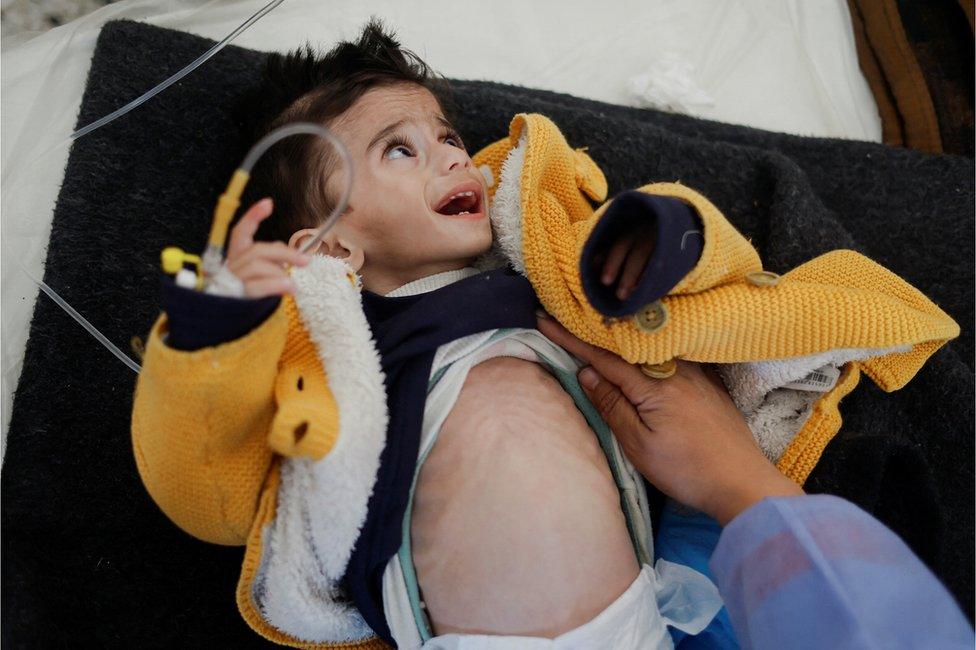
(669, 84)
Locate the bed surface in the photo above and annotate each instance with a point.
(88, 558)
(781, 65)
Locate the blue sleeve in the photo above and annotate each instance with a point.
(198, 320)
(819, 572)
(677, 233)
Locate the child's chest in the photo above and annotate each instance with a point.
(517, 492)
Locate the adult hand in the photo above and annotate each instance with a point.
(683, 433)
(261, 266)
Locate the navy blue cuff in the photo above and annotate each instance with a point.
(199, 320)
(677, 247)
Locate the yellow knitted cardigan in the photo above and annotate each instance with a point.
(727, 309)
(212, 428)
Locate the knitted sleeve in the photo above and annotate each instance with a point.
(818, 572)
(200, 423)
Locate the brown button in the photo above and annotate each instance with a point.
(763, 278)
(659, 370)
(651, 317)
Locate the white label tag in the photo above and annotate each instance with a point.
(819, 381)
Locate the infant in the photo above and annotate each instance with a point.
(517, 527)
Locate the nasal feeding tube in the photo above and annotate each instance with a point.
(209, 263)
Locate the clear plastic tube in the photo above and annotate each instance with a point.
(213, 256)
(166, 83)
(130, 106)
(309, 128)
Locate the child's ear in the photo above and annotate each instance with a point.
(332, 245)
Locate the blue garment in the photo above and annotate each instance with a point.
(818, 572)
(198, 320)
(688, 537)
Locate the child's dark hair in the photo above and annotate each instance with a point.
(306, 86)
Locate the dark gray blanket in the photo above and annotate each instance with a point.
(89, 560)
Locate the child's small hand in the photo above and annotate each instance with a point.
(261, 266)
(626, 260)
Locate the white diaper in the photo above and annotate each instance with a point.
(637, 620)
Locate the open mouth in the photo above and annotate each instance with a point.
(463, 200)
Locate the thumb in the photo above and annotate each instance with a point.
(618, 412)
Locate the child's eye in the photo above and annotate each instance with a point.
(455, 139)
(397, 144)
(398, 148)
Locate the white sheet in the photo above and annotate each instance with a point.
(783, 65)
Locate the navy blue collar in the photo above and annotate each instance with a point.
(409, 325)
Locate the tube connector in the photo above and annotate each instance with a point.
(227, 205)
(173, 261)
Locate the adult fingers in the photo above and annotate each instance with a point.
(269, 287)
(615, 408)
(242, 236)
(635, 386)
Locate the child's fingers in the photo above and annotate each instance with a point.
(242, 236)
(615, 258)
(258, 268)
(633, 267)
(277, 252)
(596, 264)
(269, 287)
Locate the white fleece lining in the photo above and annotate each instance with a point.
(506, 209)
(322, 505)
(776, 414)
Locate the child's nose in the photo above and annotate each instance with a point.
(455, 158)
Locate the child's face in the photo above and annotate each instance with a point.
(408, 162)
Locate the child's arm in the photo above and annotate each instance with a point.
(201, 417)
(199, 428)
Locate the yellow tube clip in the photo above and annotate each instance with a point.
(227, 205)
